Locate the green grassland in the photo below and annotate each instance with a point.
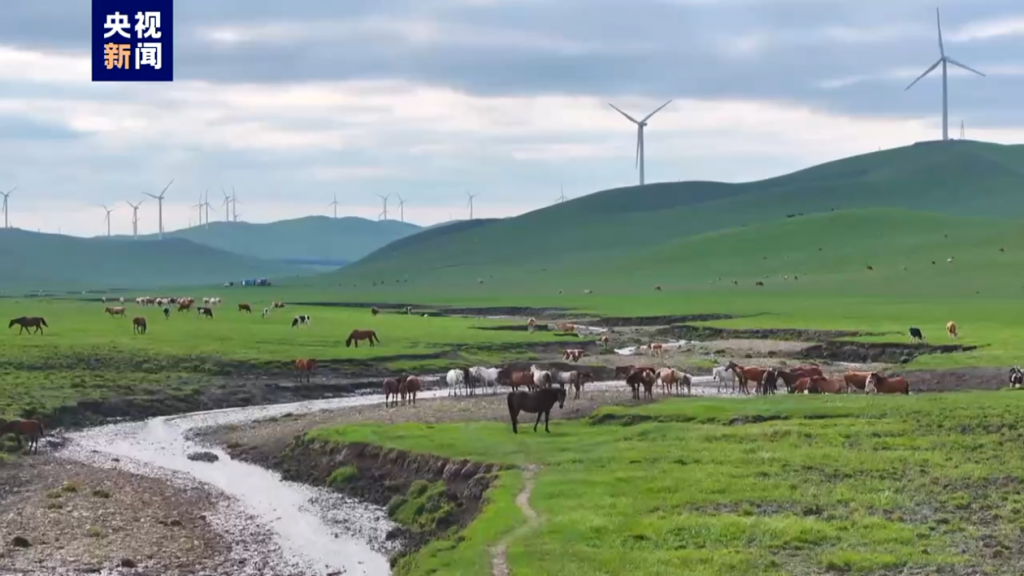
(840, 484)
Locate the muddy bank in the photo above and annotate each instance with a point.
(630, 321)
(443, 495)
(957, 379)
(690, 332)
(447, 310)
(872, 352)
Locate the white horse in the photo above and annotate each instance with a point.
(486, 376)
(721, 374)
(457, 377)
(541, 378)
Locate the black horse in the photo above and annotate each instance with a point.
(538, 402)
(28, 322)
(769, 382)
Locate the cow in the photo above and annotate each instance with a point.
(301, 319)
(1016, 377)
(951, 329)
(266, 312)
(915, 334)
(205, 311)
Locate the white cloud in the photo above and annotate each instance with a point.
(989, 29)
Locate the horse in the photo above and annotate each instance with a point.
(409, 387)
(640, 377)
(488, 376)
(574, 354)
(138, 325)
(541, 378)
(720, 374)
(31, 429)
(374, 311)
(391, 389)
(304, 366)
(24, 322)
(1016, 377)
(855, 380)
(876, 383)
(818, 385)
(745, 374)
(581, 379)
(245, 308)
(951, 329)
(521, 378)
(538, 402)
(657, 349)
(301, 319)
(205, 311)
(457, 377)
(167, 313)
(114, 311)
(357, 335)
(768, 382)
(670, 377)
(791, 377)
(604, 341)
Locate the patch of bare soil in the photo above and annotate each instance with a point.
(957, 379)
(58, 515)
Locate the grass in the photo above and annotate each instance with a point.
(842, 484)
(342, 476)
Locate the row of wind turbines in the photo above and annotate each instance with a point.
(230, 209)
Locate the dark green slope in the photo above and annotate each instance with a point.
(958, 178)
(313, 238)
(51, 262)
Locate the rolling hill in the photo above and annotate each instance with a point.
(53, 262)
(960, 178)
(313, 240)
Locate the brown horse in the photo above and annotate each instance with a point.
(138, 325)
(855, 380)
(746, 374)
(409, 387)
(304, 366)
(31, 429)
(245, 308)
(641, 377)
(391, 389)
(24, 322)
(578, 382)
(357, 335)
(538, 402)
(818, 385)
(876, 383)
(114, 311)
(791, 377)
(768, 384)
(521, 378)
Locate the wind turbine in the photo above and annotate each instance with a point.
(226, 205)
(234, 205)
(206, 206)
(109, 210)
(135, 217)
(335, 205)
(963, 134)
(470, 203)
(160, 206)
(944, 60)
(199, 208)
(640, 135)
(384, 215)
(562, 197)
(401, 208)
(6, 196)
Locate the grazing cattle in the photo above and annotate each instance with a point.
(408, 311)
(277, 305)
(304, 367)
(185, 305)
(167, 313)
(574, 354)
(745, 375)
(266, 312)
(121, 299)
(588, 291)
(138, 325)
(28, 322)
(1016, 377)
(758, 283)
(870, 268)
(205, 311)
(489, 376)
(30, 429)
(114, 311)
(243, 307)
(103, 299)
(408, 388)
(878, 384)
(457, 377)
(356, 335)
(657, 349)
(721, 374)
(541, 378)
(670, 377)
(374, 311)
(301, 319)
(949, 260)
(531, 324)
(519, 379)
(538, 402)
(391, 390)
(915, 334)
(657, 288)
(951, 329)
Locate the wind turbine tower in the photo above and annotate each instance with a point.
(226, 205)
(384, 214)
(160, 206)
(199, 208)
(963, 134)
(6, 196)
(562, 197)
(234, 205)
(944, 60)
(135, 217)
(470, 203)
(401, 208)
(109, 210)
(640, 135)
(335, 206)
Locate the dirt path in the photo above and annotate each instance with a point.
(499, 553)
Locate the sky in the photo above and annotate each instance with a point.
(292, 103)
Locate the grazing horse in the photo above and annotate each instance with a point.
(205, 311)
(457, 377)
(301, 319)
(357, 335)
(31, 429)
(657, 349)
(541, 378)
(640, 377)
(951, 329)
(538, 402)
(304, 366)
(521, 378)
(855, 381)
(114, 310)
(245, 308)
(138, 325)
(915, 334)
(391, 390)
(24, 322)
(670, 377)
(409, 387)
(791, 377)
(720, 374)
(768, 384)
(745, 374)
(489, 376)
(1016, 377)
(876, 383)
(374, 311)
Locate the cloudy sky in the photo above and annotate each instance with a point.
(293, 102)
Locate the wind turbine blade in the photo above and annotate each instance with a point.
(11, 191)
(628, 117)
(938, 24)
(964, 66)
(648, 117)
(926, 72)
(639, 137)
(166, 187)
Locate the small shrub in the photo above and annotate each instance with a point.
(342, 476)
(69, 487)
(94, 532)
(100, 493)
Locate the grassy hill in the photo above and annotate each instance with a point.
(317, 239)
(957, 178)
(52, 262)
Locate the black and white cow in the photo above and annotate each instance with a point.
(301, 319)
